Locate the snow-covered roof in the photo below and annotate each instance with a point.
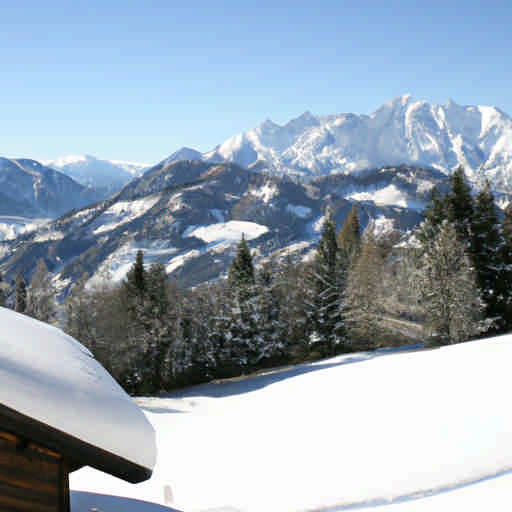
(49, 377)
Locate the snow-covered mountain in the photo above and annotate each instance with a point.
(402, 131)
(189, 215)
(107, 176)
(31, 190)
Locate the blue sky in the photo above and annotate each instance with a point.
(137, 80)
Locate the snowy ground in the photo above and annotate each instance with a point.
(403, 431)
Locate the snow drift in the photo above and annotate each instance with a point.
(356, 430)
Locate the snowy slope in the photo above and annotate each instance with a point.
(402, 131)
(47, 375)
(420, 430)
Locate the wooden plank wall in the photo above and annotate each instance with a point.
(32, 478)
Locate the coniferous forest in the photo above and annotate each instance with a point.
(451, 282)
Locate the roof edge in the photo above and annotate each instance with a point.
(78, 452)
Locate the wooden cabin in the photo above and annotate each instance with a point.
(60, 411)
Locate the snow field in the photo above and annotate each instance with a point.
(121, 213)
(353, 431)
(230, 231)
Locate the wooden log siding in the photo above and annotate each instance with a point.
(32, 478)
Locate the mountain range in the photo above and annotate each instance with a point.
(402, 131)
(272, 183)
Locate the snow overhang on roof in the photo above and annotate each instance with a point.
(54, 392)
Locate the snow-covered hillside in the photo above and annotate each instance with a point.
(413, 430)
(189, 216)
(402, 131)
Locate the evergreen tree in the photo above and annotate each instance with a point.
(41, 294)
(460, 205)
(505, 283)
(243, 332)
(135, 282)
(326, 281)
(449, 290)
(436, 212)
(486, 254)
(2, 290)
(268, 310)
(241, 271)
(349, 236)
(20, 298)
(507, 223)
(157, 324)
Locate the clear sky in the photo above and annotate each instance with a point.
(136, 80)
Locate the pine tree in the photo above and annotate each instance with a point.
(460, 205)
(241, 272)
(2, 291)
(243, 332)
(507, 223)
(436, 212)
(449, 290)
(486, 254)
(135, 282)
(156, 323)
(268, 311)
(326, 281)
(505, 283)
(20, 298)
(349, 237)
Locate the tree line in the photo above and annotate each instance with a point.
(356, 291)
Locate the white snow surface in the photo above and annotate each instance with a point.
(266, 192)
(12, 226)
(427, 430)
(230, 231)
(49, 376)
(121, 213)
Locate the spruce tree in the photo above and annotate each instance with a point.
(241, 271)
(20, 297)
(2, 291)
(449, 289)
(505, 283)
(326, 281)
(460, 206)
(243, 331)
(486, 254)
(135, 282)
(435, 212)
(507, 223)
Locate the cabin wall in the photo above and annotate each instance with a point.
(32, 478)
